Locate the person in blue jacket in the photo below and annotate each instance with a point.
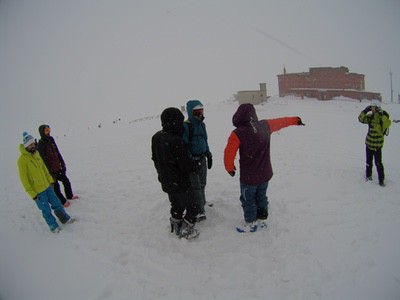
(195, 136)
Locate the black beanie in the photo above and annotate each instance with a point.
(170, 117)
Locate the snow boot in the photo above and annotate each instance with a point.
(262, 223)
(188, 231)
(70, 220)
(56, 230)
(176, 225)
(201, 217)
(247, 227)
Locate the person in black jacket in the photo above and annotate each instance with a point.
(173, 164)
(51, 156)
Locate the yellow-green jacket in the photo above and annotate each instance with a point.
(378, 124)
(33, 173)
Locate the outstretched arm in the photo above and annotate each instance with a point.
(279, 123)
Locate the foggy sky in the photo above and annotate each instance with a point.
(82, 61)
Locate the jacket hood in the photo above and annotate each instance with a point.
(172, 120)
(190, 105)
(245, 113)
(22, 149)
(41, 130)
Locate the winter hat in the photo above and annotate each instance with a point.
(376, 103)
(27, 139)
(171, 116)
(198, 106)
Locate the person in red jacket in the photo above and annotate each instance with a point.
(252, 138)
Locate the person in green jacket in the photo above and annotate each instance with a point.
(378, 125)
(37, 182)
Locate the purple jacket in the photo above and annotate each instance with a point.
(252, 138)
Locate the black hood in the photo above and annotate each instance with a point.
(41, 130)
(172, 121)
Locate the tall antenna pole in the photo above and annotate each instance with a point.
(391, 87)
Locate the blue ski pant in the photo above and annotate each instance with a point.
(48, 200)
(254, 200)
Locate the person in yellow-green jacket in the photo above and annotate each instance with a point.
(378, 125)
(37, 182)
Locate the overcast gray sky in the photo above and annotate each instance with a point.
(96, 58)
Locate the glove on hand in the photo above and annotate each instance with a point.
(367, 109)
(232, 173)
(209, 160)
(300, 122)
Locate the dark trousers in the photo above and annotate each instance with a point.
(377, 155)
(61, 176)
(198, 180)
(181, 202)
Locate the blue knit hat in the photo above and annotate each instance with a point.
(27, 139)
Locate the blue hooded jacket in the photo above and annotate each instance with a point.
(195, 134)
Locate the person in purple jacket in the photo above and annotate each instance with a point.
(252, 138)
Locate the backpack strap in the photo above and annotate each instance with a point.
(190, 126)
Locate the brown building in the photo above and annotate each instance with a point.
(325, 83)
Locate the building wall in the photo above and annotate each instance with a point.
(317, 79)
(253, 97)
(328, 94)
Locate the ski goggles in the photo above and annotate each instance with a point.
(198, 112)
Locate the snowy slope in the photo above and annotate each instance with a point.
(331, 235)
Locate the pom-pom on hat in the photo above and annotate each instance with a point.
(27, 139)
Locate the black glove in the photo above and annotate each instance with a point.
(35, 198)
(209, 160)
(367, 109)
(300, 122)
(232, 173)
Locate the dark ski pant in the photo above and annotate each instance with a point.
(61, 176)
(181, 202)
(198, 180)
(377, 155)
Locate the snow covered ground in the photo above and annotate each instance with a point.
(331, 235)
